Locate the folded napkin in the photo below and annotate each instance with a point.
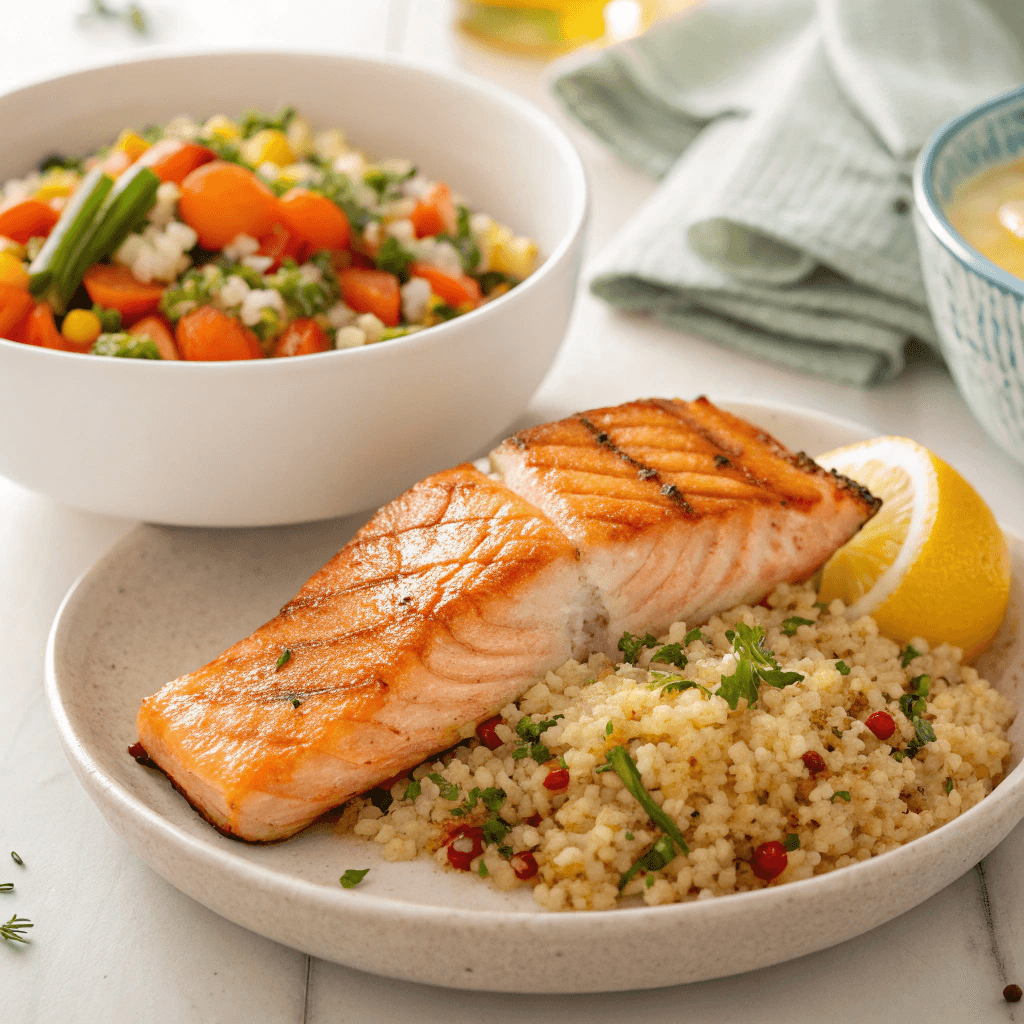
(785, 132)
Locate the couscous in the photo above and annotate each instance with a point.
(771, 744)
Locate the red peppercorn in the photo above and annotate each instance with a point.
(881, 723)
(814, 762)
(769, 861)
(464, 846)
(488, 736)
(524, 865)
(534, 820)
(1012, 993)
(556, 780)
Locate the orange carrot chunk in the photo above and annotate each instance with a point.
(220, 201)
(15, 304)
(372, 291)
(174, 160)
(31, 218)
(456, 291)
(209, 335)
(315, 219)
(115, 287)
(42, 330)
(279, 245)
(158, 330)
(435, 212)
(301, 338)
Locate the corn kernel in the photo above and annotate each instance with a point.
(300, 137)
(268, 146)
(12, 272)
(131, 144)
(9, 245)
(509, 253)
(81, 326)
(222, 127)
(57, 183)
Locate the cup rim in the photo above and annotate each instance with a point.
(933, 215)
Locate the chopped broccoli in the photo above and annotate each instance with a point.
(126, 346)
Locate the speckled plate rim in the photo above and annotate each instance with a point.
(932, 213)
(627, 948)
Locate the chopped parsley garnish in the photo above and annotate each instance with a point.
(649, 882)
(449, 791)
(562, 763)
(631, 646)
(791, 842)
(506, 852)
(676, 684)
(822, 605)
(629, 836)
(530, 732)
(495, 830)
(464, 243)
(296, 703)
(662, 851)
(949, 784)
(393, 257)
(914, 705)
(353, 877)
(754, 665)
(303, 294)
(340, 189)
(385, 181)
(908, 654)
(492, 798)
(482, 869)
(286, 656)
(837, 732)
(492, 279)
(14, 930)
(789, 626)
(671, 654)
(256, 121)
(694, 635)
(609, 729)
(442, 311)
(840, 794)
(413, 790)
(842, 668)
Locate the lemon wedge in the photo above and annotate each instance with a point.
(933, 562)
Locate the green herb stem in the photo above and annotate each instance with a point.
(625, 767)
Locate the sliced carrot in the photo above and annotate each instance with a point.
(115, 287)
(301, 338)
(456, 291)
(435, 212)
(174, 160)
(15, 305)
(220, 201)
(42, 330)
(372, 291)
(31, 218)
(315, 219)
(279, 245)
(158, 330)
(208, 334)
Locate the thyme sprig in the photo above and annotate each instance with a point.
(14, 930)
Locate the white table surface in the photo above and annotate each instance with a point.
(113, 942)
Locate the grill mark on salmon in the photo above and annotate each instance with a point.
(455, 597)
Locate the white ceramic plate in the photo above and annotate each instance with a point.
(166, 600)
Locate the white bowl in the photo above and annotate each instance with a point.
(290, 440)
(165, 601)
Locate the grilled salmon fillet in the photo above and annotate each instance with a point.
(680, 510)
(441, 610)
(465, 589)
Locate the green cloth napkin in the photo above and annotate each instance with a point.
(785, 132)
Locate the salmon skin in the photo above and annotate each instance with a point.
(454, 598)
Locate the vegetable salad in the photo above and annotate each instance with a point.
(240, 239)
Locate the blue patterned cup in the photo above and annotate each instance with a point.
(978, 307)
